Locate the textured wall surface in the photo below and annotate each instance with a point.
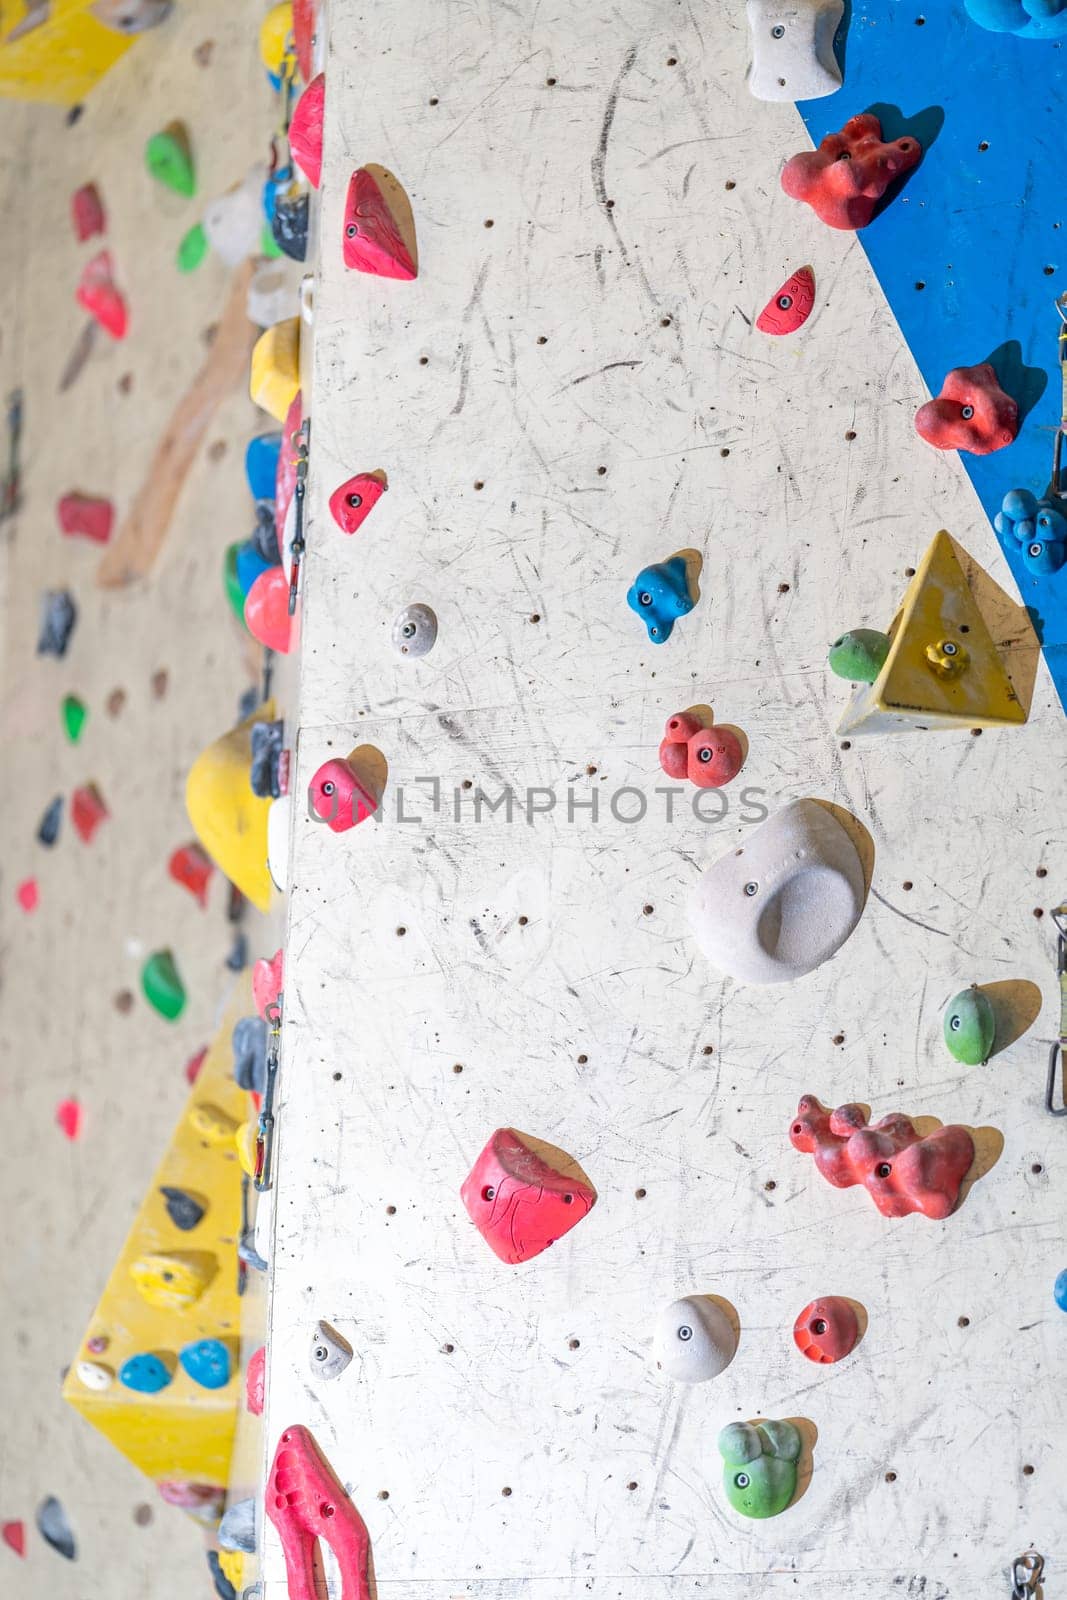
(572, 389)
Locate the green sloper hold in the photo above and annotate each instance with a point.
(859, 655)
(74, 717)
(970, 1026)
(234, 592)
(268, 244)
(162, 986)
(193, 248)
(169, 159)
(759, 1466)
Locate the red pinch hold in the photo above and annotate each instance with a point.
(519, 1204)
(87, 212)
(901, 1171)
(372, 241)
(14, 1536)
(971, 413)
(268, 978)
(305, 130)
(306, 1503)
(86, 516)
(846, 177)
(353, 502)
(791, 307)
(69, 1118)
(98, 294)
(192, 867)
(87, 811)
(337, 795)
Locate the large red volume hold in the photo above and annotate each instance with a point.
(972, 412)
(845, 178)
(306, 1503)
(519, 1204)
(901, 1170)
(372, 241)
(305, 130)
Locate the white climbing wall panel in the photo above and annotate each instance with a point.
(571, 390)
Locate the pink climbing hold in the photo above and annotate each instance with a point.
(268, 978)
(971, 413)
(192, 867)
(27, 894)
(87, 212)
(69, 1117)
(267, 610)
(338, 796)
(305, 21)
(372, 240)
(87, 811)
(846, 177)
(306, 1503)
(791, 307)
(305, 130)
(353, 502)
(98, 294)
(86, 516)
(256, 1381)
(14, 1536)
(194, 1063)
(285, 473)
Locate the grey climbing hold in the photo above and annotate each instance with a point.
(54, 1528)
(268, 740)
(264, 536)
(183, 1208)
(415, 630)
(237, 1530)
(58, 616)
(330, 1353)
(249, 1041)
(237, 960)
(48, 827)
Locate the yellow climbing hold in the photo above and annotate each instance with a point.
(245, 1140)
(172, 1281)
(212, 1124)
(229, 820)
(274, 34)
(275, 376)
(943, 669)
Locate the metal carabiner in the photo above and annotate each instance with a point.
(263, 1175)
(1059, 1046)
(302, 440)
(1026, 1574)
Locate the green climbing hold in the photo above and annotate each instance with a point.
(970, 1026)
(859, 655)
(74, 717)
(162, 986)
(268, 244)
(169, 159)
(193, 248)
(759, 1466)
(234, 593)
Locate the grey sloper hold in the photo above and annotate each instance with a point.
(784, 901)
(330, 1353)
(54, 1528)
(237, 1530)
(415, 630)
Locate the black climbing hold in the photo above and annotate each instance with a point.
(183, 1208)
(267, 742)
(54, 1528)
(248, 703)
(237, 960)
(289, 226)
(58, 616)
(264, 536)
(249, 1040)
(48, 827)
(223, 1587)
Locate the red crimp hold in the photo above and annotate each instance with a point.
(256, 1381)
(306, 1503)
(268, 978)
(85, 516)
(194, 1064)
(708, 757)
(901, 1171)
(845, 178)
(192, 867)
(87, 212)
(69, 1117)
(791, 307)
(305, 21)
(518, 1202)
(87, 811)
(372, 240)
(339, 797)
(14, 1536)
(353, 502)
(97, 293)
(305, 130)
(826, 1330)
(971, 413)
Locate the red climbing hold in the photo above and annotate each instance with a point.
(519, 1204)
(267, 980)
(27, 894)
(193, 1065)
(708, 757)
(971, 413)
(285, 473)
(353, 502)
(14, 1536)
(256, 1381)
(98, 294)
(192, 867)
(306, 1503)
(827, 1330)
(87, 811)
(69, 1118)
(87, 212)
(267, 610)
(845, 178)
(86, 516)
(673, 751)
(305, 130)
(372, 240)
(305, 21)
(901, 1171)
(339, 797)
(791, 307)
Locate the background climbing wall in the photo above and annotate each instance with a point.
(160, 667)
(572, 389)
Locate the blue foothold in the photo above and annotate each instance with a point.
(1059, 1290)
(249, 564)
(660, 595)
(1027, 19)
(261, 464)
(1036, 528)
(207, 1362)
(146, 1374)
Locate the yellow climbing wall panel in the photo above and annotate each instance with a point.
(58, 59)
(229, 820)
(184, 1433)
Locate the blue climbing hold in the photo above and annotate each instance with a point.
(249, 564)
(146, 1374)
(1027, 19)
(1059, 1290)
(660, 595)
(261, 464)
(48, 827)
(207, 1362)
(1035, 529)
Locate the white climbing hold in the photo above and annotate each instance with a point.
(793, 48)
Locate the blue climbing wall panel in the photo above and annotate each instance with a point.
(973, 252)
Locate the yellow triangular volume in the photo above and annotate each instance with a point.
(943, 669)
(228, 819)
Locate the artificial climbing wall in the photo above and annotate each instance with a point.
(570, 390)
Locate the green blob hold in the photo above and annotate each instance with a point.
(759, 1466)
(192, 250)
(234, 592)
(75, 717)
(162, 986)
(970, 1026)
(169, 159)
(859, 655)
(268, 244)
